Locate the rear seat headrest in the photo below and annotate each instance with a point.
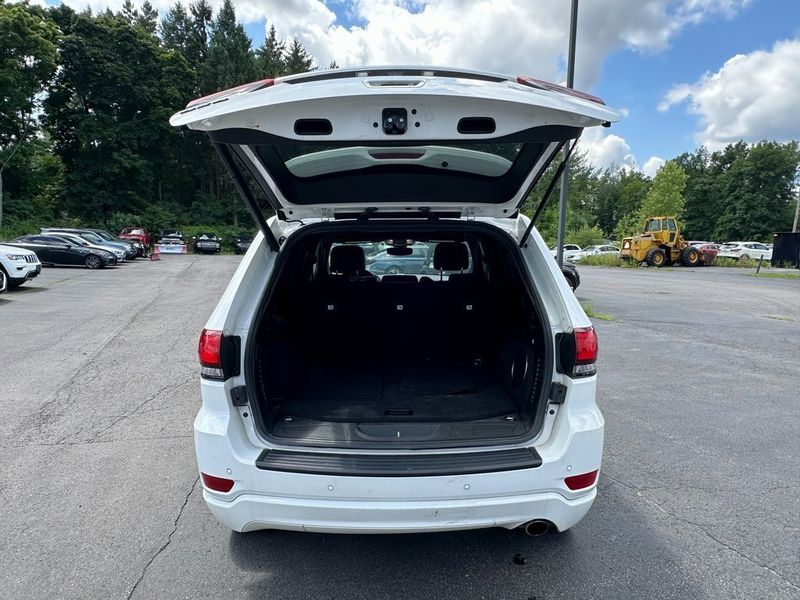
(348, 260)
(450, 256)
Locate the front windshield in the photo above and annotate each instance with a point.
(104, 235)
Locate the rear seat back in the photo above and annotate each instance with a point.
(352, 313)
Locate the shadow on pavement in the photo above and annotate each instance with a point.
(613, 553)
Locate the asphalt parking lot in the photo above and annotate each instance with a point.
(699, 491)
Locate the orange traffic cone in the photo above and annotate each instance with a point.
(156, 255)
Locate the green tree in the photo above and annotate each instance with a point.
(148, 18)
(298, 60)
(702, 207)
(107, 112)
(129, 12)
(28, 40)
(665, 197)
(585, 236)
(270, 56)
(757, 191)
(27, 61)
(175, 27)
(230, 60)
(199, 28)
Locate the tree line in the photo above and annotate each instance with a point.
(84, 135)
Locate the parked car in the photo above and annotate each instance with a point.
(139, 234)
(117, 256)
(708, 253)
(570, 272)
(84, 237)
(387, 263)
(3, 282)
(745, 250)
(568, 249)
(207, 243)
(604, 250)
(241, 243)
(171, 241)
(18, 265)
(54, 251)
(134, 244)
(332, 402)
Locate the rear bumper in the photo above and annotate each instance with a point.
(338, 502)
(250, 512)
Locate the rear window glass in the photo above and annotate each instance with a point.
(402, 257)
(488, 159)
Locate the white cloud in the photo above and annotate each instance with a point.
(752, 97)
(606, 150)
(501, 35)
(652, 165)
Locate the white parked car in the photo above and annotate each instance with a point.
(594, 251)
(568, 249)
(754, 250)
(18, 265)
(335, 400)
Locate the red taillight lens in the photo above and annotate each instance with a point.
(585, 346)
(579, 482)
(209, 348)
(217, 484)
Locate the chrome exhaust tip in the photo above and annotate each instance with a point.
(537, 527)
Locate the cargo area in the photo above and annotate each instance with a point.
(429, 340)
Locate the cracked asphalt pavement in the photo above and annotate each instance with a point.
(699, 383)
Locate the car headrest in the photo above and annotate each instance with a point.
(450, 256)
(347, 260)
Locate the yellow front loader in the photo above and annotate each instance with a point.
(660, 244)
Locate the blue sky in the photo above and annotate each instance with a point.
(683, 72)
(639, 80)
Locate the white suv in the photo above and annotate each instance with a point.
(18, 265)
(460, 394)
(745, 250)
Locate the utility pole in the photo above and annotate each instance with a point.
(562, 203)
(796, 208)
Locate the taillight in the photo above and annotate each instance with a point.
(577, 352)
(217, 484)
(585, 351)
(218, 354)
(209, 351)
(579, 482)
